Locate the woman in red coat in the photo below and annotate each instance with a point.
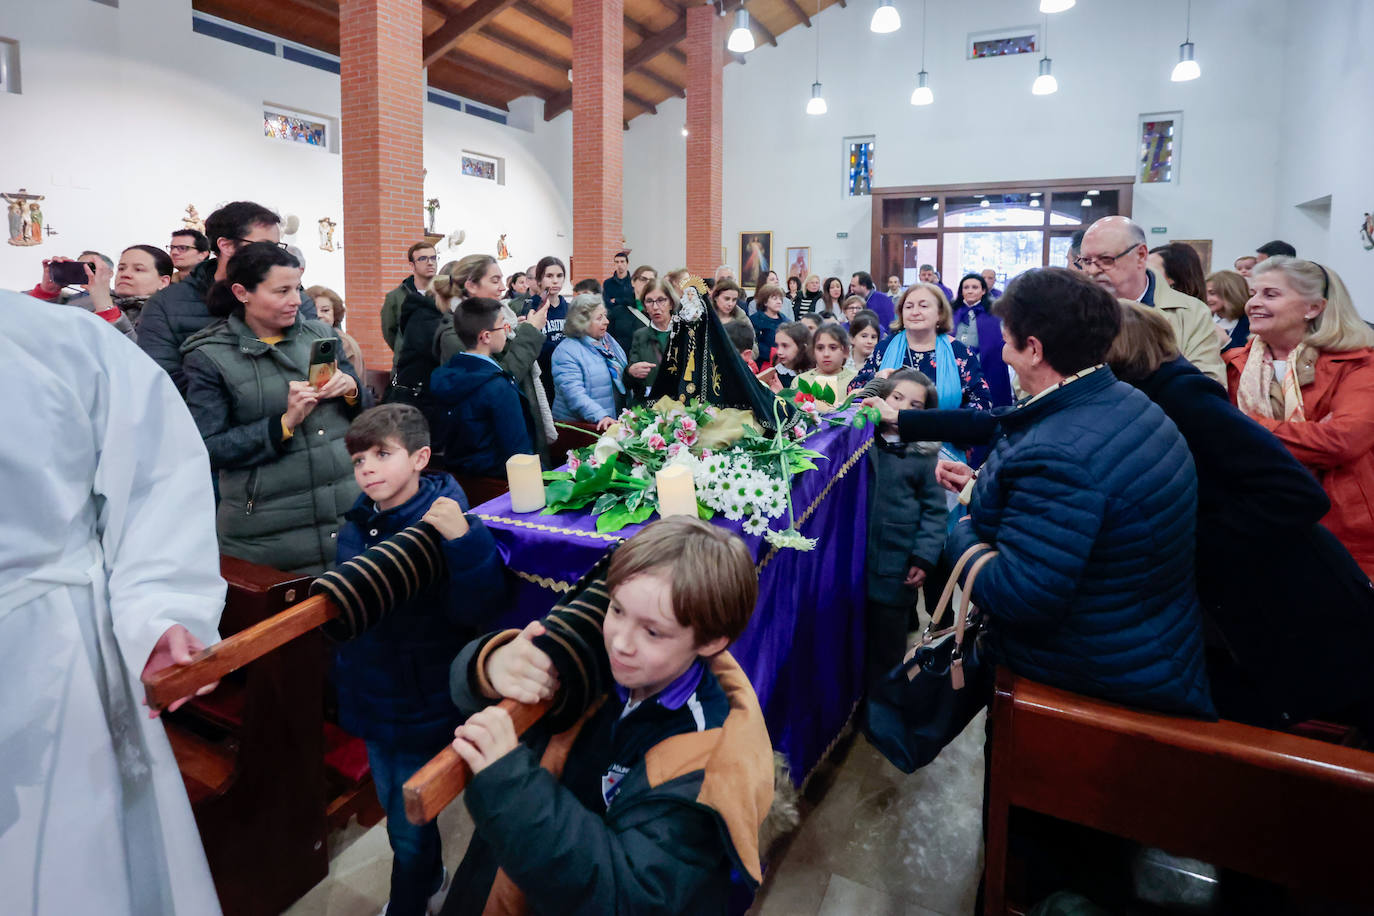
(1307, 375)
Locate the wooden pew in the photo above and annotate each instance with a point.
(252, 755)
(1284, 809)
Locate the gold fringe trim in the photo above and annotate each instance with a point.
(820, 497)
(553, 585)
(536, 526)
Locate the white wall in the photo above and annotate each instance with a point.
(784, 169)
(1327, 107)
(127, 116)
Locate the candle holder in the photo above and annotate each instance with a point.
(526, 480)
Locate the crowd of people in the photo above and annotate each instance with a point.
(1167, 463)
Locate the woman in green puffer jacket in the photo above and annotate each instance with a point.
(275, 442)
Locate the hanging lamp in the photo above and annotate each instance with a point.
(1045, 83)
(741, 40)
(885, 18)
(1186, 68)
(816, 104)
(922, 95)
(1056, 6)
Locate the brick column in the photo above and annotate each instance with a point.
(382, 96)
(705, 181)
(598, 107)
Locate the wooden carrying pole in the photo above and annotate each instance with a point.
(229, 655)
(446, 775)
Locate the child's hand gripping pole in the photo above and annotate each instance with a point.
(345, 601)
(444, 778)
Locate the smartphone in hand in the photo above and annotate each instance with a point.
(324, 362)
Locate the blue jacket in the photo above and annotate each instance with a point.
(584, 380)
(392, 680)
(1091, 499)
(481, 416)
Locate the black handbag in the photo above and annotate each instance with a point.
(926, 701)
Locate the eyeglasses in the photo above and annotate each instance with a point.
(427, 258)
(180, 249)
(281, 245)
(1104, 261)
(658, 300)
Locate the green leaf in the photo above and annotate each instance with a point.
(604, 503)
(559, 491)
(705, 512)
(558, 475)
(619, 516)
(824, 393)
(634, 499)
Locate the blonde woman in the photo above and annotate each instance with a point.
(1227, 293)
(1307, 375)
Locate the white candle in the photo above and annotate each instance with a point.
(526, 483)
(677, 494)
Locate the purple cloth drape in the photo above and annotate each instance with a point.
(803, 649)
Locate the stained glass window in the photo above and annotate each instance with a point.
(479, 168)
(859, 166)
(294, 129)
(1158, 143)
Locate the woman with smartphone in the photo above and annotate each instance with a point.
(276, 441)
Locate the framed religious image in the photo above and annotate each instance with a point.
(1203, 247)
(798, 263)
(755, 257)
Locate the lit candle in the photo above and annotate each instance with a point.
(526, 483)
(677, 494)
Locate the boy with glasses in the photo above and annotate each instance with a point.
(424, 264)
(485, 418)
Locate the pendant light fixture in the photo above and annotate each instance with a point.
(922, 94)
(1186, 68)
(1045, 83)
(885, 18)
(1056, 6)
(741, 40)
(816, 104)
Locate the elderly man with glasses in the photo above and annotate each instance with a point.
(176, 313)
(1113, 257)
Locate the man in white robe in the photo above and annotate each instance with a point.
(109, 569)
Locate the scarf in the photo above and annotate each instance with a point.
(947, 383)
(614, 364)
(1253, 394)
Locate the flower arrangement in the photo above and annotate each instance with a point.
(738, 472)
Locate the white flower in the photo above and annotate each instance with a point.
(606, 447)
(790, 538)
(756, 524)
(640, 472)
(734, 511)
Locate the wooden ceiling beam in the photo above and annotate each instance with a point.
(468, 19)
(797, 11)
(512, 42)
(656, 43)
(642, 102)
(549, 21)
(663, 82)
(644, 34)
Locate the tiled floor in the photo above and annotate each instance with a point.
(872, 841)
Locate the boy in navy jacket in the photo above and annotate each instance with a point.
(486, 417)
(392, 681)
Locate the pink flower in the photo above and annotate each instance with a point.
(798, 433)
(706, 453)
(688, 425)
(573, 462)
(657, 442)
(686, 436)
(593, 461)
(674, 449)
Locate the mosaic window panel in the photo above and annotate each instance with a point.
(1001, 47)
(294, 129)
(859, 153)
(1158, 147)
(479, 167)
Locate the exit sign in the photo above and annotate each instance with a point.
(1159, 230)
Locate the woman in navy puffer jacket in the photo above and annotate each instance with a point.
(1090, 499)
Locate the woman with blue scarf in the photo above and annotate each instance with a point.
(588, 366)
(921, 341)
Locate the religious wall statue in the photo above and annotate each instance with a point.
(327, 227)
(25, 217)
(192, 219)
(502, 252)
(1367, 232)
(431, 206)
